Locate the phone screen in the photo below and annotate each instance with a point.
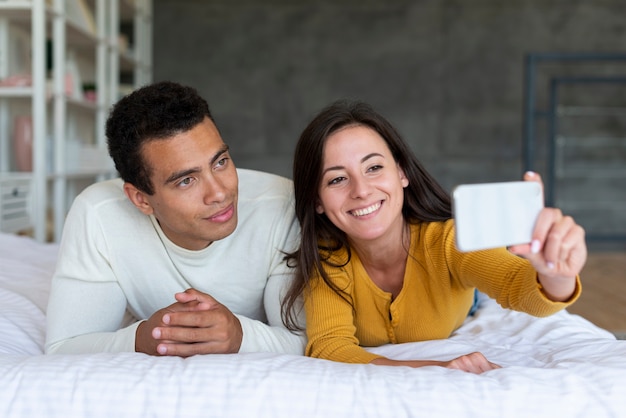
(490, 215)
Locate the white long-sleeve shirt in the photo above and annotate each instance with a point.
(116, 267)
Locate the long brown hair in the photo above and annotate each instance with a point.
(424, 199)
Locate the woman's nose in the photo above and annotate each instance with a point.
(360, 187)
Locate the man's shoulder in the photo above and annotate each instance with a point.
(255, 184)
(102, 193)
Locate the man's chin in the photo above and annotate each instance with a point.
(223, 231)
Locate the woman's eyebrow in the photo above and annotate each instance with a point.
(340, 167)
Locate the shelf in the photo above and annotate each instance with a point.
(68, 131)
(16, 92)
(82, 104)
(15, 199)
(82, 174)
(16, 11)
(20, 13)
(27, 93)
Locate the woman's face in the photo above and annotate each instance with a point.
(361, 189)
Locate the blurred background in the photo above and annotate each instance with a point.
(482, 90)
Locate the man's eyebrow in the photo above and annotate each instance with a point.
(339, 167)
(219, 153)
(183, 173)
(180, 174)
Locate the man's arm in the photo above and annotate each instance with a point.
(273, 336)
(87, 309)
(85, 317)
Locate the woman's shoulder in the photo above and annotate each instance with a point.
(339, 265)
(432, 232)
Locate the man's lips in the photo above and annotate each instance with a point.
(223, 215)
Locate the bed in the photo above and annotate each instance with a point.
(557, 366)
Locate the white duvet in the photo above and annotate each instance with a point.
(561, 366)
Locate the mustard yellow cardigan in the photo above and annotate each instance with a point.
(436, 296)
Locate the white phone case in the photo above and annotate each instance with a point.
(490, 215)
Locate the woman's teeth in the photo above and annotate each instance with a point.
(367, 210)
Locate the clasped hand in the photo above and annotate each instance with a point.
(195, 324)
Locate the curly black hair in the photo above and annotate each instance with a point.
(152, 112)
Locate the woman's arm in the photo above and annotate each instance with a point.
(472, 363)
(330, 326)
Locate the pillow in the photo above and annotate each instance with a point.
(22, 325)
(27, 267)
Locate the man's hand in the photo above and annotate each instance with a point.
(195, 324)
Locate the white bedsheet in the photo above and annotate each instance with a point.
(557, 366)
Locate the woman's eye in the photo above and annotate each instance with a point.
(336, 180)
(375, 168)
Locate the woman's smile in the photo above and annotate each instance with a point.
(366, 211)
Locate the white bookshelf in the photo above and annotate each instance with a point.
(82, 40)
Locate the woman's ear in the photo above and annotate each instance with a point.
(138, 198)
(319, 208)
(403, 178)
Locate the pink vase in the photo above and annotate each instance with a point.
(23, 143)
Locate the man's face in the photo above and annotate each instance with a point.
(195, 186)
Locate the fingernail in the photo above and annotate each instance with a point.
(161, 349)
(166, 319)
(550, 265)
(535, 245)
(156, 333)
(530, 173)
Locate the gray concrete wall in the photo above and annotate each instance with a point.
(449, 74)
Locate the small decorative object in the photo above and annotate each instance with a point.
(89, 92)
(23, 143)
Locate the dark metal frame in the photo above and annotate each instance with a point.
(532, 113)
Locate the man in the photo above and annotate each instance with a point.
(184, 254)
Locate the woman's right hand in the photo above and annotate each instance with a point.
(471, 363)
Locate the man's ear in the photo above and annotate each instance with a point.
(138, 198)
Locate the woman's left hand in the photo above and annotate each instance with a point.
(558, 251)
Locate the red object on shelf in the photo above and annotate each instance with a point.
(23, 143)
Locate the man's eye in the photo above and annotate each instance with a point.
(222, 162)
(185, 182)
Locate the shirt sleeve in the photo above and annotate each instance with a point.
(87, 309)
(330, 324)
(273, 336)
(507, 278)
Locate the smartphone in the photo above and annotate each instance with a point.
(490, 215)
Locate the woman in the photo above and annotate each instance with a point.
(377, 262)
